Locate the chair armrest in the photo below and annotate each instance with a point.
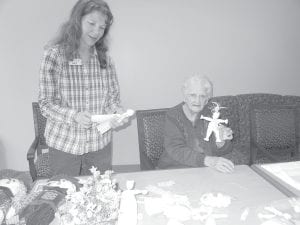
(30, 157)
(31, 151)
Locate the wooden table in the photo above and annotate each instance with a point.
(246, 187)
(284, 176)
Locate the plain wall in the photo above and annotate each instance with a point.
(243, 46)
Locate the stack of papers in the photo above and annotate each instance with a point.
(288, 172)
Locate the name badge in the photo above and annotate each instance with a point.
(75, 62)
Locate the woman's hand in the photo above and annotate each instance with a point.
(117, 122)
(219, 163)
(225, 133)
(84, 119)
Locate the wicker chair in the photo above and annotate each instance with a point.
(150, 125)
(273, 133)
(38, 159)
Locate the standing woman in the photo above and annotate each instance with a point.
(78, 79)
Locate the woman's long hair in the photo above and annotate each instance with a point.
(70, 32)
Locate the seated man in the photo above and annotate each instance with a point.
(185, 132)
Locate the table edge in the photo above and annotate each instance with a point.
(273, 181)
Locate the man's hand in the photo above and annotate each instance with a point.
(219, 163)
(225, 133)
(84, 119)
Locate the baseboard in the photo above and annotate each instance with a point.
(126, 168)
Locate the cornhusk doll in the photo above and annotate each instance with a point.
(214, 122)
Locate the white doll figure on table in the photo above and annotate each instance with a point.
(128, 213)
(214, 123)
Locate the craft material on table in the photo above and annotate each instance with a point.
(178, 209)
(287, 172)
(128, 212)
(214, 122)
(104, 120)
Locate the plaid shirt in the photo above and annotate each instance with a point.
(67, 87)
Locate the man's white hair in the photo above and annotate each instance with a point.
(203, 80)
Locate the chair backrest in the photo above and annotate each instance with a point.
(273, 130)
(39, 123)
(150, 125)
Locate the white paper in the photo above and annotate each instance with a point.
(104, 127)
(103, 121)
(108, 117)
(103, 118)
(285, 172)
